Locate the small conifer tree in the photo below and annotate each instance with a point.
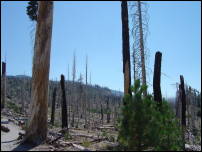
(144, 127)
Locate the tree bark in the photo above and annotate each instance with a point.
(142, 48)
(63, 104)
(37, 125)
(53, 107)
(183, 100)
(101, 114)
(108, 111)
(157, 78)
(3, 85)
(126, 48)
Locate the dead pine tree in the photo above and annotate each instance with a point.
(101, 111)
(125, 48)
(73, 98)
(53, 107)
(108, 111)
(139, 33)
(36, 131)
(183, 101)
(85, 100)
(142, 47)
(64, 104)
(3, 98)
(23, 96)
(157, 78)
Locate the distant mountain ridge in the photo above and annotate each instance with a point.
(19, 87)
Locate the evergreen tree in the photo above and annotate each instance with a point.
(143, 126)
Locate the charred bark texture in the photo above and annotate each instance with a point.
(157, 78)
(108, 111)
(53, 107)
(3, 85)
(101, 114)
(183, 100)
(63, 104)
(37, 125)
(126, 48)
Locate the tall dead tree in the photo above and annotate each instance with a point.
(139, 29)
(157, 78)
(142, 47)
(108, 111)
(3, 85)
(183, 101)
(101, 110)
(73, 99)
(86, 93)
(64, 104)
(125, 48)
(53, 107)
(36, 131)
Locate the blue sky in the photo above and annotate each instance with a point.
(94, 29)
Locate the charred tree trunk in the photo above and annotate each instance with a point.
(3, 85)
(37, 125)
(73, 92)
(101, 114)
(64, 104)
(108, 111)
(53, 107)
(183, 101)
(126, 48)
(157, 78)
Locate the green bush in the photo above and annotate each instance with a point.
(86, 143)
(13, 106)
(145, 124)
(67, 136)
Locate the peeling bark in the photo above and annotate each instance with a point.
(37, 125)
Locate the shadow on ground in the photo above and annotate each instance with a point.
(24, 147)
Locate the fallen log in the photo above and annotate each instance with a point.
(79, 147)
(83, 135)
(99, 140)
(5, 129)
(107, 127)
(54, 140)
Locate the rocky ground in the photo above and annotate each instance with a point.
(79, 139)
(101, 138)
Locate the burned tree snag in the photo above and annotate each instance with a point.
(101, 114)
(157, 78)
(53, 107)
(37, 125)
(142, 47)
(108, 111)
(63, 104)
(183, 101)
(3, 85)
(125, 48)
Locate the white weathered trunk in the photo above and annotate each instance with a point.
(37, 125)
